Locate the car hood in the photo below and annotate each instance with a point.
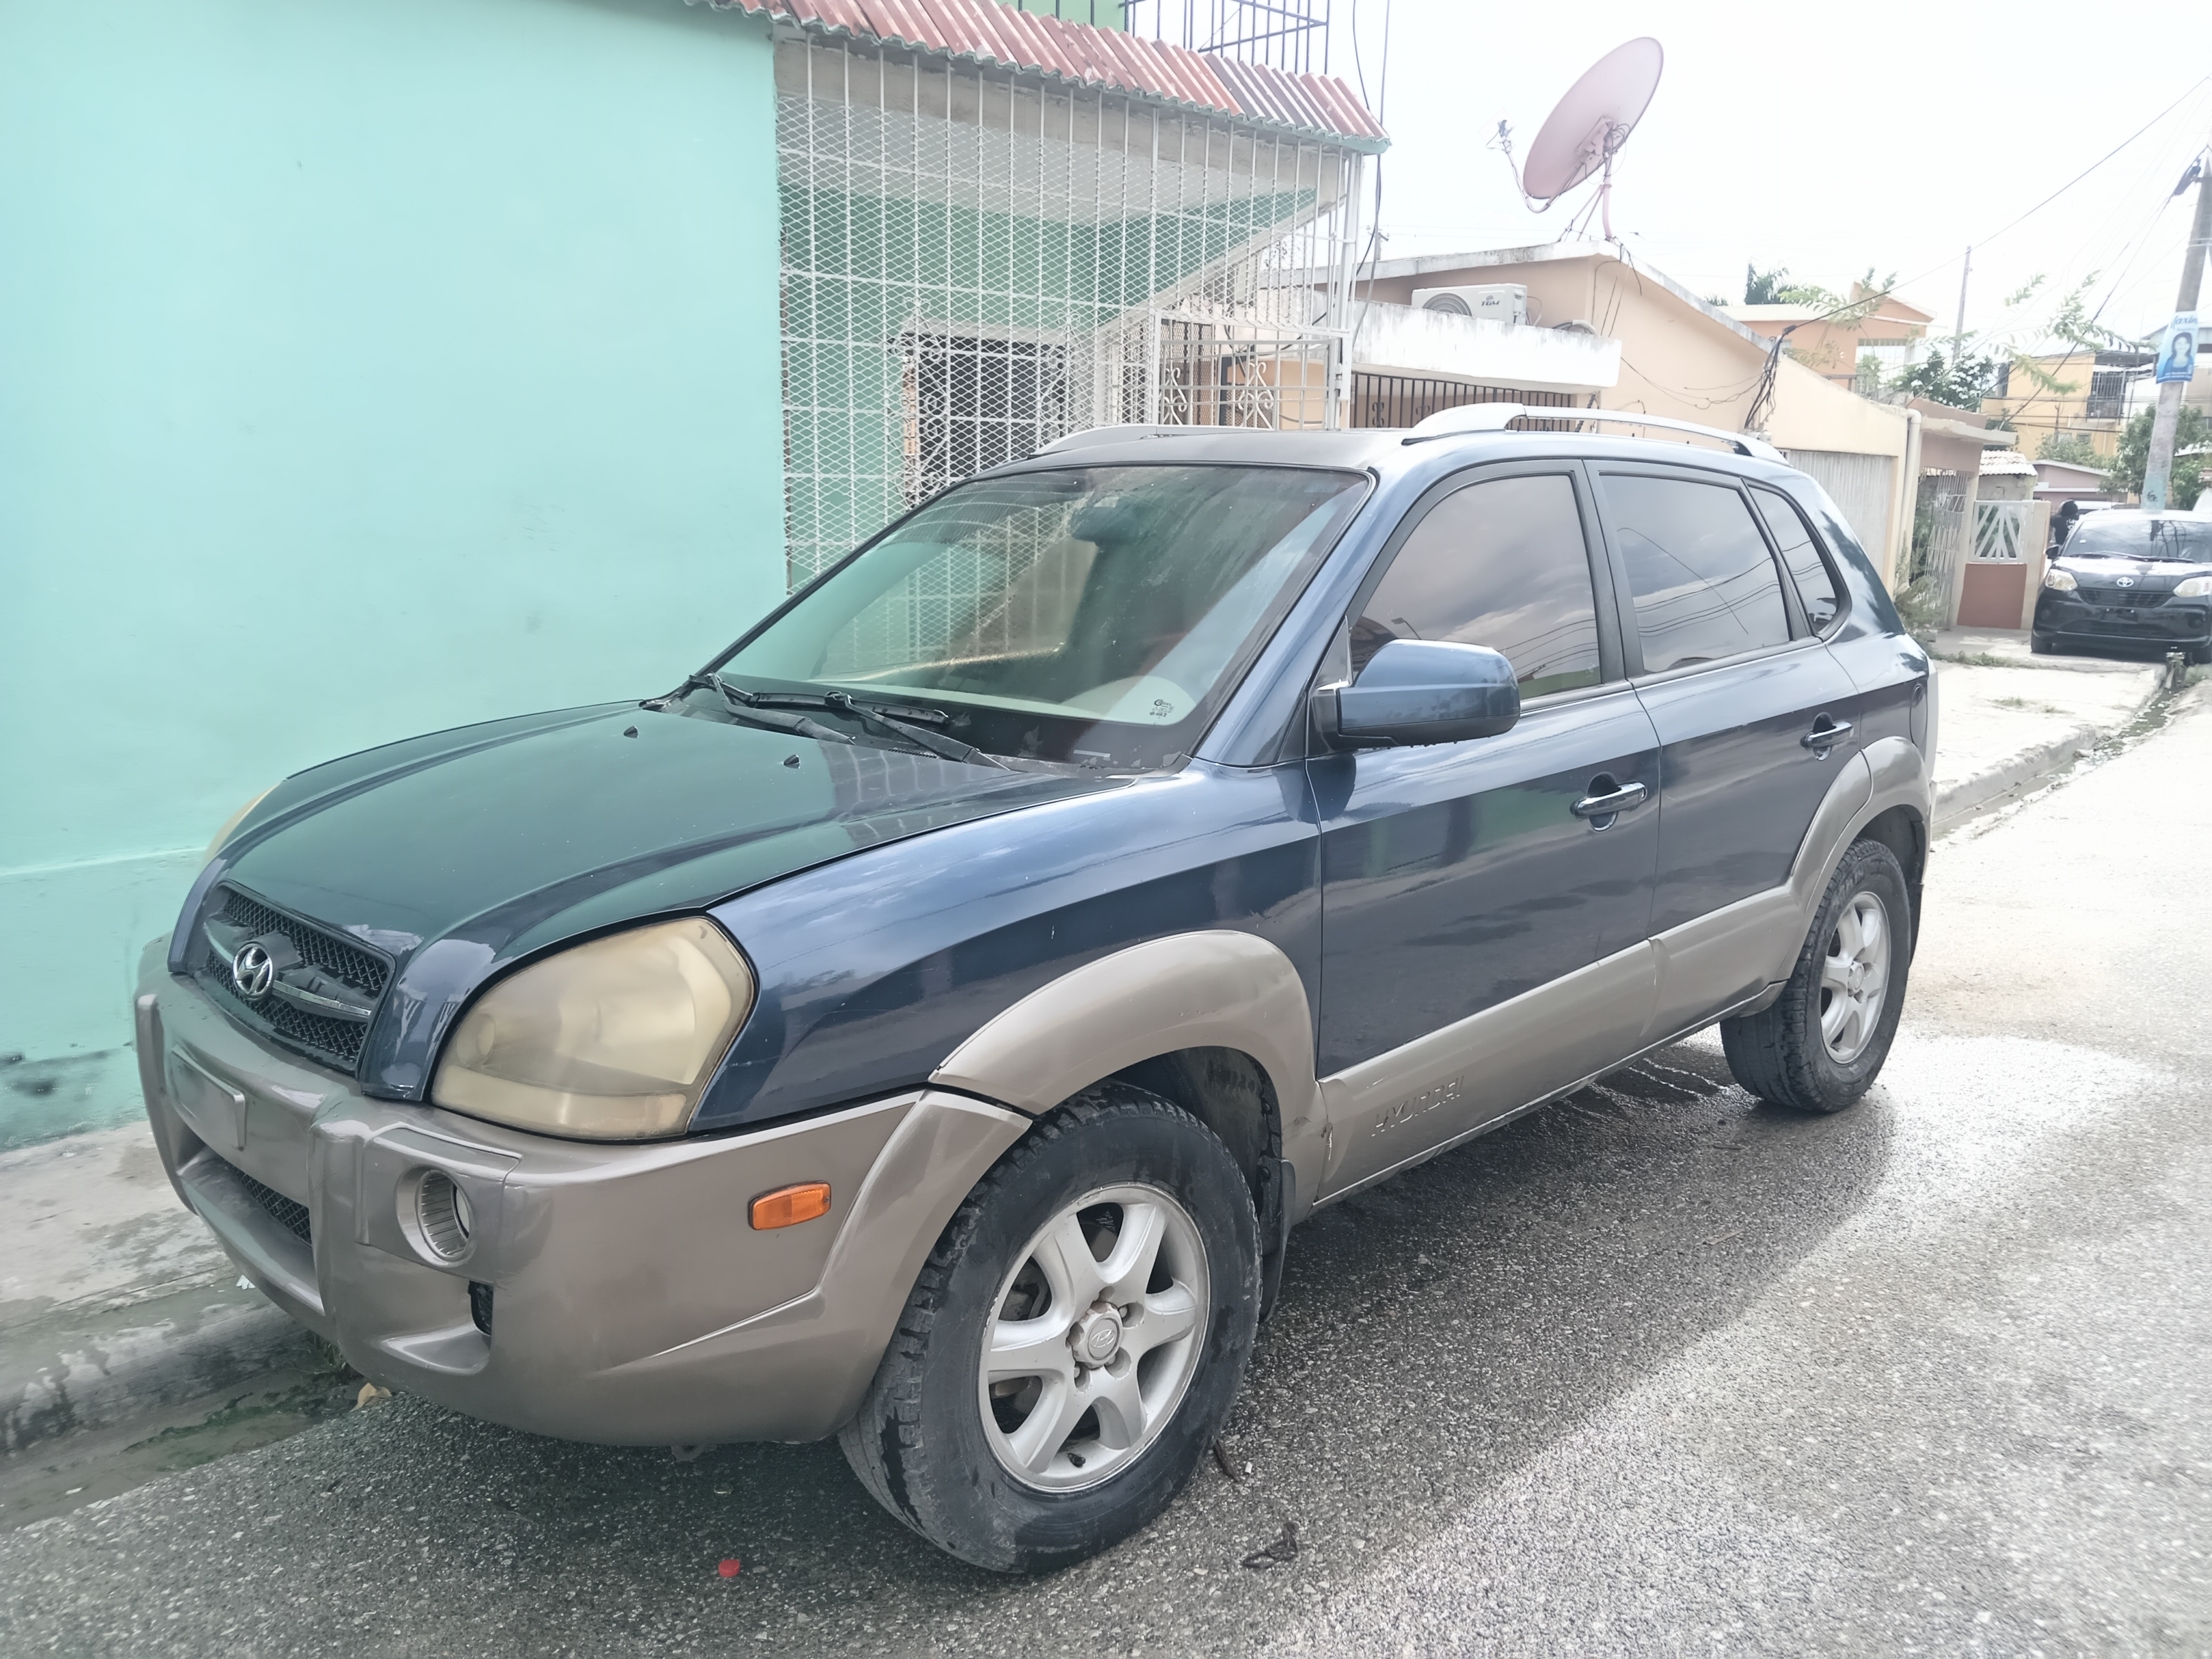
(2109, 570)
(460, 853)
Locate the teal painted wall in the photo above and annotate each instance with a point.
(365, 368)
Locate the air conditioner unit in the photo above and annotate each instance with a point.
(1500, 302)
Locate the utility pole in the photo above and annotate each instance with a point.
(1959, 337)
(2158, 465)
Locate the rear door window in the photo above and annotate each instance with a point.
(1502, 563)
(1816, 585)
(1705, 584)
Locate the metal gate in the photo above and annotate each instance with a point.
(974, 264)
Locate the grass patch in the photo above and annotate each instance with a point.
(1982, 660)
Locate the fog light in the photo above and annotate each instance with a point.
(442, 1212)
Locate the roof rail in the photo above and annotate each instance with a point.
(1495, 417)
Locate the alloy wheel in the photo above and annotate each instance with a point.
(1855, 977)
(1093, 1338)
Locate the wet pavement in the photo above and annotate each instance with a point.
(1654, 1370)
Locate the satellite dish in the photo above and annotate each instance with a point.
(1587, 128)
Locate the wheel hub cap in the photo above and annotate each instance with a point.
(1096, 1337)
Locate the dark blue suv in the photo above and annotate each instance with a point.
(925, 1024)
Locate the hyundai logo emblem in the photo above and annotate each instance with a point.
(252, 972)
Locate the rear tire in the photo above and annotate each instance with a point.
(1073, 1343)
(1821, 1044)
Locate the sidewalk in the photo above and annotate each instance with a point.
(2007, 719)
(127, 1342)
(123, 1327)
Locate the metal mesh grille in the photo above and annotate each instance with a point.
(288, 1214)
(973, 267)
(360, 969)
(337, 1041)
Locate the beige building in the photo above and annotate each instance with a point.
(1833, 348)
(1640, 342)
(2094, 398)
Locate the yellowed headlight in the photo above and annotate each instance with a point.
(615, 1040)
(232, 822)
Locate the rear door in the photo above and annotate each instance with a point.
(1458, 878)
(1741, 692)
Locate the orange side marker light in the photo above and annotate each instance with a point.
(786, 1207)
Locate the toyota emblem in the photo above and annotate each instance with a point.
(2123, 581)
(252, 972)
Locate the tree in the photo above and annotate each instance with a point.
(2072, 447)
(1774, 288)
(2187, 479)
(1960, 379)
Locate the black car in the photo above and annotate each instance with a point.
(2130, 578)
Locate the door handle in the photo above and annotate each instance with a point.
(1826, 735)
(1623, 798)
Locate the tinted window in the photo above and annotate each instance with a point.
(1815, 586)
(1042, 610)
(1501, 564)
(2143, 536)
(1705, 584)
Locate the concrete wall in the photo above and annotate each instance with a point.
(370, 368)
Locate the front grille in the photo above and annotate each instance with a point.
(2128, 596)
(337, 1042)
(337, 956)
(291, 1216)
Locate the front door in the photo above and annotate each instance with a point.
(1459, 883)
(1740, 690)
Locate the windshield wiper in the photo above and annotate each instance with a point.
(762, 703)
(741, 704)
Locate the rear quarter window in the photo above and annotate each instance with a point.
(1801, 554)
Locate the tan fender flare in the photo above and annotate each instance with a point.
(1888, 773)
(1214, 989)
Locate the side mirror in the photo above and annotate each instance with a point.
(1417, 691)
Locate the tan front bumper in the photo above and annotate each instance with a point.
(630, 1300)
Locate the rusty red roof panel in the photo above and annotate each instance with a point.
(991, 33)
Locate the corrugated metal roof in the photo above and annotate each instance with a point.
(986, 32)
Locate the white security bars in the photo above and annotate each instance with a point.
(975, 263)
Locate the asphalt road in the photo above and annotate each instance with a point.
(1656, 1371)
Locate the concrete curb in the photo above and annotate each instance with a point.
(2014, 775)
(2021, 773)
(69, 1372)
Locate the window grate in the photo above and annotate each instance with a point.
(973, 265)
(1404, 400)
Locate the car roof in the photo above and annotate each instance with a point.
(1389, 451)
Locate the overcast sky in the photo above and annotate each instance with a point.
(1824, 139)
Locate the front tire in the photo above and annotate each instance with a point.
(1821, 1044)
(2041, 645)
(1075, 1342)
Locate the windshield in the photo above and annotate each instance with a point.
(1094, 615)
(2142, 536)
